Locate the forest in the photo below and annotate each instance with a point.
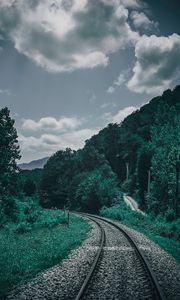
(140, 156)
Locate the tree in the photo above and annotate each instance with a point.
(143, 167)
(97, 188)
(165, 161)
(9, 150)
(29, 187)
(57, 176)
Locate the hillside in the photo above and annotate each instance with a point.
(140, 156)
(34, 164)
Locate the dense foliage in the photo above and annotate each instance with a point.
(140, 156)
(79, 180)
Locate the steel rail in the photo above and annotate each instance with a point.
(95, 262)
(155, 284)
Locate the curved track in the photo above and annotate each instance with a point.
(149, 285)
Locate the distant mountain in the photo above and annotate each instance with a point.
(34, 164)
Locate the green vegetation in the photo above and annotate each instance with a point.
(166, 234)
(40, 240)
(31, 238)
(80, 180)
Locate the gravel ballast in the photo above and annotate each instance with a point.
(120, 274)
(165, 267)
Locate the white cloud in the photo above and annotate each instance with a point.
(108, 104)
(50, 124)
(92, 98)
(123, 113)
(158, 63)
(49, 135)
(67, 35)
(120, 115)
(50, 143)
(5, 92)
(110, 90)
(131, 3)
(120, 80)
(141, 21)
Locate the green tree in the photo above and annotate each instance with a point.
(57, 175)
(165, 162)
(143, 167)
(97, 188)
(29, 187)
(9, 150)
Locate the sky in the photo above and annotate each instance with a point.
(70, 67)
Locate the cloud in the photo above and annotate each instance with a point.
(5, 92)
(67, 35)
(110, 90)
(48, 135)
(92, 98)
(120, 115)
(50, 124)
(50, 143)
(123, 113)
(131, 3)
(108, 104)
(158, 63)
(141, 21)
(120, 80)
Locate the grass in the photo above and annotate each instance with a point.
(165, 234)
(26, 249)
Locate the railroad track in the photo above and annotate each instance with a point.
(144, 267)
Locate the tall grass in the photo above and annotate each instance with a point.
(26, 249)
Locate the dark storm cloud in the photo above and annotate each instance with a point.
(158, 63)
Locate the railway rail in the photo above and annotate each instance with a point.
(156, 291)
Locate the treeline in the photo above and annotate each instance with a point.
(140, 156)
